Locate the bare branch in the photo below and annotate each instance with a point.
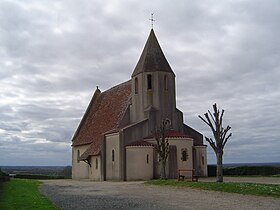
(221, 118)
(203, 120)
(225, 133)
(226, 140)
(211, 116)
(211, 142)
(210, 123)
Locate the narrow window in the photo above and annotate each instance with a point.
(96, 163)
(113, 155)
(149, 80)
(78, 156)
(202, 160)
(147, 158)
(165, 82)
(184, 155)
(136, 85)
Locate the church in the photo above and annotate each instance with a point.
(115, 138)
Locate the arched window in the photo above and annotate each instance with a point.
(147, 158)
(149, 82)
(78, 155)
(165, 82)
(113, 155)
(136, 85)
(96, 163)
(184, 154)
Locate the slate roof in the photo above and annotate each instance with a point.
(152, 58)
(103, 114)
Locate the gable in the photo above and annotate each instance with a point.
(104, 113)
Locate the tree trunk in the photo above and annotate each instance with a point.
(219, 173)
(162, 170)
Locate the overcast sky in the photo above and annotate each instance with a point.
(53, 54)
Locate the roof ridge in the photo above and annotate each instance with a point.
(118, 86)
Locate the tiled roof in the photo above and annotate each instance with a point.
(94, 149)
(103, 114)
(140, 143)
(152, 58)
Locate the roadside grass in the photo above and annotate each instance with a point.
(271, 190)
(23, 194)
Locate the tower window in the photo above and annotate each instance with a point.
(136, 85)
(165, 82)
(96, 163)
(149, 81)
(147, 158)
(113, 155)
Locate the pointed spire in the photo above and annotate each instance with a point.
(152, 58)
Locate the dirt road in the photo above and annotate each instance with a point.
(71, 194)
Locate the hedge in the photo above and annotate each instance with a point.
(245, 170)
(252, 170)
(38, 176)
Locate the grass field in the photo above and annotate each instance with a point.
(241, 188)
(23, 194)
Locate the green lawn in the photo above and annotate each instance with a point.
(241, 188)
(23, 194)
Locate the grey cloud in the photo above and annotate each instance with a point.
(53, 55)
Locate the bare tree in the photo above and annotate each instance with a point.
(215, 122)
(162, 146)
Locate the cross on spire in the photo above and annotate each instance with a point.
(152, 20)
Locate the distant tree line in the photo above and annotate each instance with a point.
(246, 170)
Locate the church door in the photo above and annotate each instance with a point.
(172, 162)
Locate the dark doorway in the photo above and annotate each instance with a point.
(172, 162)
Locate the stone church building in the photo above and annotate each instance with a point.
(114, 140)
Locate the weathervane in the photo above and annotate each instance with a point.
(152, 20)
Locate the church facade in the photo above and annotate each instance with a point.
(115, 138)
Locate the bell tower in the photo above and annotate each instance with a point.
(153, 85)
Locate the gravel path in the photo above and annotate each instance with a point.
(72, 194)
